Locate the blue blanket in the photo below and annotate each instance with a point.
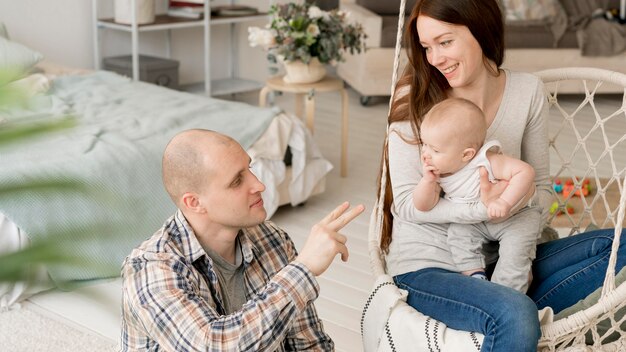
(116, 151)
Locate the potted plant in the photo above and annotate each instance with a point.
(305, 38)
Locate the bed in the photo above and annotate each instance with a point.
(114, 152)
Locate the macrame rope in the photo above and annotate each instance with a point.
(576, 329)
(609, 280)
(376, 219)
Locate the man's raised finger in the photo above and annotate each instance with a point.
(344, 252)
(341, 238)
(338, 223)
(335, 213)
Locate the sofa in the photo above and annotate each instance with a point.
(565, 40)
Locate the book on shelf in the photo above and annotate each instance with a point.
(187, 3)
(186, 9)
(234, 10)
(183, 12)
(193, 10)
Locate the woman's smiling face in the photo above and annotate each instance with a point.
(452, 49)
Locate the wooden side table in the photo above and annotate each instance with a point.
(305, 96)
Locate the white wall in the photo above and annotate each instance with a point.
(62, 31)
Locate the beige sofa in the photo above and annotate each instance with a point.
(369, 73)
(528, 50)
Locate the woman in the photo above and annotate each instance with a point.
(455, 49)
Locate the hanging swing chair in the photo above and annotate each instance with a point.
(388, 323)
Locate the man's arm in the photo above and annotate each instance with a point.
(307, 332)
(321, 247)
(520, 176)
(164, 300)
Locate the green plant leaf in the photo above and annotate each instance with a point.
(53, 185)
(51, 250)
(14, 131)
(289, 22)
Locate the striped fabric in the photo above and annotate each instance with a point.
(171, 297)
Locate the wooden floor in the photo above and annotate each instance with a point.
(345, 286)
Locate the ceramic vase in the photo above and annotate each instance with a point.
(298, 72)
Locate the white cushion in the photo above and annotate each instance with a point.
(31, 85)
(12, 239)
(390, 324)
(16, 59)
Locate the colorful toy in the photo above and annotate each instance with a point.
(569, 187)
(554, 208)
(558, 186)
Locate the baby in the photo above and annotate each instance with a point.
(452, 151)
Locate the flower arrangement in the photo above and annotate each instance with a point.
(304, 31)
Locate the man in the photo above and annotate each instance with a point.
(217, 276)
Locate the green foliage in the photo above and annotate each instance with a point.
(303, 31)
(15, 131)
(16, 266)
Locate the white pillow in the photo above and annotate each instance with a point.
(390, 324)
(531, 9)
(31, 85)
(17, 58)
(13, 239)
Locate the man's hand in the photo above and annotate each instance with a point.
(499, 209)
(325, 241)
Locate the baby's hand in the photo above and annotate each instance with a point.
(498, 209)
(431, 173)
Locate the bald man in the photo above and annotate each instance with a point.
(217, 276)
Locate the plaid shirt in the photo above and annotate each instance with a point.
(171, 297)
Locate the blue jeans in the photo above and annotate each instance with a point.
(564, 271)
(569, 269)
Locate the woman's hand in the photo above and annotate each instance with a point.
(490, 191)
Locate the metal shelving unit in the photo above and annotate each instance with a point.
(166, 23)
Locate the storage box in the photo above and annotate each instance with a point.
(156, 70)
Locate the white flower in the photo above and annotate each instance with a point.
(313, 30)
(260, 37)
(316, 12)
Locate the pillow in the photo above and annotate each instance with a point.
(17, 58)
(31, 85)
(531, 9)
(13, 239)
(390, 324)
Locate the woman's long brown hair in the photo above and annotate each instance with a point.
(427, 86)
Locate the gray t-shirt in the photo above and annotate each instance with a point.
(419, 238)
(230, 278)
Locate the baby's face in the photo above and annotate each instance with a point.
(442, 150)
